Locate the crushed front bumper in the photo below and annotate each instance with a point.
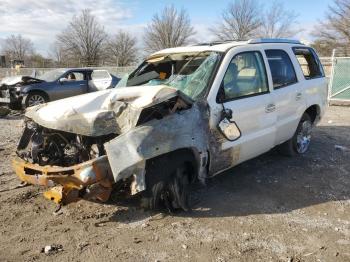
(91, 180)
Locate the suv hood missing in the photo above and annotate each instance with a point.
(100, 113)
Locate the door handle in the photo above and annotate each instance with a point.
(298, 96)
(270, 108)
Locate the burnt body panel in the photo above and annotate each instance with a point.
(182, 129)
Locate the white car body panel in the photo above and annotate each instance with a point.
(101, 80)
(10, 80)
(261, 131)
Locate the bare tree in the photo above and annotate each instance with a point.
(83, 38)
(334, 30)
(170, 28)
(240, 21)
(17, 47)
(122, 49)
(277, 22)
(58, 54)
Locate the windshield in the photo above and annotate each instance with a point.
(52, 75)
(194, 77)
(187, 72)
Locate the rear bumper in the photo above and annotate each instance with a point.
(91, 180)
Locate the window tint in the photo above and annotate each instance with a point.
(245, 76)
(281, 67)
(310, 65)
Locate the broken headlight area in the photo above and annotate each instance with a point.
(43, 146)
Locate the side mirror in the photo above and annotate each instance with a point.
(228, 128)
(62, 80)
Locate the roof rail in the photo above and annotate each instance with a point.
(273, 40)
(217, 42)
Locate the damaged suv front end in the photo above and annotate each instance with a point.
(83, 147)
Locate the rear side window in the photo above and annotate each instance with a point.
(281, 67)
(99, 74)
(309, 62)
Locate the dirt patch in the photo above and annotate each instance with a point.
(271, 208)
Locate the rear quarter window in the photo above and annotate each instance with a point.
(99, 74)
(309, 62)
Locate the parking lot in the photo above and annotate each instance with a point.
(271, 208)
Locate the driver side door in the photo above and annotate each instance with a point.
(245, 93)
(71, 87)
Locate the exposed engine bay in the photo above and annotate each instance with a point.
(45, 146)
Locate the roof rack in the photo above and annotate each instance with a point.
(254, 41)
(217, 42)
(273, 40)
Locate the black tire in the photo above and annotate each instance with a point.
(40, 97)
(291, 147)
(168, 180)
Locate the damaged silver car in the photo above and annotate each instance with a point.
(184, 114)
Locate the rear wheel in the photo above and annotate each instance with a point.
(300, 142)
(36, 98)
(168, 181)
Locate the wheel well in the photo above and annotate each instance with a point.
(39, 92)
(313, 111)
(180, 155)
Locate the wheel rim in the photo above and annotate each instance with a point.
(35, 100)
(304, 137)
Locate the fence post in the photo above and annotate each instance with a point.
(330, 84)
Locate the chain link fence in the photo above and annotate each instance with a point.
(339, 85)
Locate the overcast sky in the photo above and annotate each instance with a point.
(41, 20)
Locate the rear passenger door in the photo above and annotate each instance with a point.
(100, 80)
(287, 93)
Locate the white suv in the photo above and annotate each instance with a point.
(184, 113)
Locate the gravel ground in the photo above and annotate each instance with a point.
(271, 208)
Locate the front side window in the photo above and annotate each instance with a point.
(309, 63)
(75, 76)
(245, 76)
(282, 70)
